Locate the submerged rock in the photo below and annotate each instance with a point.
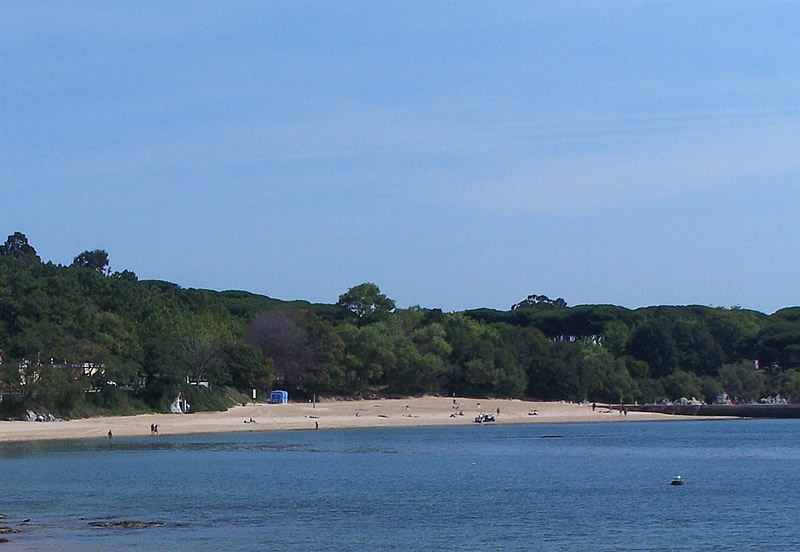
(127, 524)
(6, 530)
(3, 539)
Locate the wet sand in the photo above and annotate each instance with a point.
(327, 414)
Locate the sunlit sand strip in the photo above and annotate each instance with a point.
(327, 414)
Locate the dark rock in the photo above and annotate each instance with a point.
(6, 530)
(3, 539)
(127, 524)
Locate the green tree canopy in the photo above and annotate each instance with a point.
(96, 260)
(17, 246)
(534, 301)
(365, 300)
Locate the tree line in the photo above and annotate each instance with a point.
(80, 340)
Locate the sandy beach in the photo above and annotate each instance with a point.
(326, 414)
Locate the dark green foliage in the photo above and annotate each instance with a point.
(735, 330)
(17, 247)
(740, 380)
(656, 343)
(483, 361)
(366, 301)
(653, 342)
(247, 368)
(246, 305)
(542, 302)
(682, 384)
(204, 398)
(80, 341)
(697, 351)
(146, 338)
(96, 260)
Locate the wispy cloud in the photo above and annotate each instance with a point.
(639, 169)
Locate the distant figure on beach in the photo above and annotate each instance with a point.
(594, 406)
(152, 428)
(498, 410)
(110, 435)
(316, 425)
(155, 429)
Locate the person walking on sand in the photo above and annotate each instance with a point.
(110, 435)
(316, 425)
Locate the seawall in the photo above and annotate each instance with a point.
(733, 410)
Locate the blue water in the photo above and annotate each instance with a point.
(489, 487)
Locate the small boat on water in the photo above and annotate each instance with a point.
(677, 481)
(481, 418)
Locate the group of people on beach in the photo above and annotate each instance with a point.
(456, 406)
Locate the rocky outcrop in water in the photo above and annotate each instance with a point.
(8, 530)
(127, 524)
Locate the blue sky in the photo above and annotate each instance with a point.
(457, 154)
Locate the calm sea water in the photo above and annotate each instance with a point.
(489, 487)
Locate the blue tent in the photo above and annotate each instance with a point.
(278, 397)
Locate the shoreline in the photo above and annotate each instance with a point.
(328, 414)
